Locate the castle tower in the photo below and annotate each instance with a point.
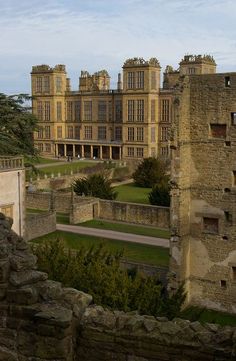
(197, 64)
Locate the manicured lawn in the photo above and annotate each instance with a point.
(131, 193)
(127, 228)
(66, 168)
(42, 160)
(209, 316)
(152, 255)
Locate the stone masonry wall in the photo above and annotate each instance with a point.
(40, 320)
(38, 225)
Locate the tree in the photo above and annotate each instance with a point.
(95, 185)
(17, 124)
(150, 171)
(160, 195)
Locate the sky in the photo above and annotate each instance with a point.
(100, 34)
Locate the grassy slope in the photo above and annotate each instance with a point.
(131, 193)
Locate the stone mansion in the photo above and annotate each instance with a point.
(130, 122)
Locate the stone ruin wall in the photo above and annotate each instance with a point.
(40, 320)
(205, 257)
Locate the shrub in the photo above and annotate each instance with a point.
(149, 172)
(95, 185)
(160, 195)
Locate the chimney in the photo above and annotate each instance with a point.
(68, 84)
(119, 82)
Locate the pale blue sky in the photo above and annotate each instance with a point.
(97, 34)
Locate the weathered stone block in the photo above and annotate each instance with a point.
(22, 296)
(23, 278)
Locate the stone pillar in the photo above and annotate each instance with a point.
(82, 151)
(56, 150)
(110, 152)
(65, 151)
(91, 151)
(120, 153)
(100, 151)
(73, 150)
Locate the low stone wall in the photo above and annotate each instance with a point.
(41, 321)
(39, 224)
(38, 200)
(135, 213)
(84, 211)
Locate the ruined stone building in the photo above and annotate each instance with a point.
(130, 122)
(203, 211)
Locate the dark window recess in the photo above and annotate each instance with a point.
(210, 225)
(233, 118)
(227, 190)
(234, 273)
(223, 283)
(227, 82)
(234, 178)
(227, 143)
(225, 238)
(228, 217)
(218, 130)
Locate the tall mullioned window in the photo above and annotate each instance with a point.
(153, 135)
(77, 132)
(118, 133)
(165, 110)
(88, 110)
(131, 80)
(130, 151)
(164, 133)
(131, 110)
(77, 110)
(140, 110)
(140, 134)
(70, 132)
(59, 111)
(153, 110)
(131, 134)
(102, 133)
(110, 112)
(40, 110)
(88, 132)
(47, 132)
(46, 84)
(58, 84)
(69, 111)
(140, 79)
(47, 111)
(139, 152)
(118, 110)
(59, 132)
(39, 84)
(102, 111)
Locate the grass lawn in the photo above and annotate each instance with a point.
(42, 160)
(61, 217)
(127, 228)
(66, 168)
(203, 315)
(152, 255)
(131, 193)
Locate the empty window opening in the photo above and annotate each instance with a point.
(210, 225)
(228, 217)
(218, 130)
(225, 238)
(227, 82)
(227, 143)
(233, 118)
(223, 283)
(234, 273)
(234, 178)
(227, 190)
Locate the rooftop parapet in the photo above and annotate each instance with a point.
(46, 68)
(198, 59)
(86, 74)
(11, 163)
(141, 62)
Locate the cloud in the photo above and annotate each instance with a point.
(96, 34)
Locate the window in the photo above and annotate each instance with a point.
(47, 111)
(88, 110)
(140, 110)
(153, 152)
(164, 151)
(58, 84)
(87, 132)
(233, 118)
(59, 111)
(139, 152)
(40, 110)
(77, 109)
(69, 111)
(77, 132)
(228, 217)
(234, 273)
(153, 80)
(140, 134)
(40, 133)
(223, 284)
(109, 111)
(102, 133)
(153, 135)
(70, 134)
(47, 133)
(140, 79)
(227, 82)
(118, 133)
(165, 110)
(131, 110)
(7, 210)
(234, 178)
(164, 133)
(153, 110)
(46, 84)
(102, 111)
(210, 225)
(131, 80)
(130, 152)
(118, 111)
(40, 147)
(59, 132)
(191, 70)
(39, 84)
(218, 130)
(131, 134)
(48, 147)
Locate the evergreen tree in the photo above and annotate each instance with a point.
(160, 195)
(95, 185)
(149, 172)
